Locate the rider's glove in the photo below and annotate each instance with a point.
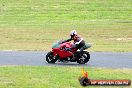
(60, 42)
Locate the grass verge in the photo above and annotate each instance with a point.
(55, 77)
(36, 24)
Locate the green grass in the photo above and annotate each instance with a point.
(55, 77)
(36, 24)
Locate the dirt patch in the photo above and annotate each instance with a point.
(120, 39)
(124, 39)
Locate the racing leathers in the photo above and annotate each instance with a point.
(79, 43)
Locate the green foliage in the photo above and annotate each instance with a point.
(36, 24)
(54, 77)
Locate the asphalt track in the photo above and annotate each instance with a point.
(37, 58)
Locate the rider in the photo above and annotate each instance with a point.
(79, 43)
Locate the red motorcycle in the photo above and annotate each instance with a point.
(60, 53)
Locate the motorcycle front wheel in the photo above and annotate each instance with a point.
(50, 57)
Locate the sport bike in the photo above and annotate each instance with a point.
(60, 54)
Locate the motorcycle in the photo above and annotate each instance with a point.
(60, 54)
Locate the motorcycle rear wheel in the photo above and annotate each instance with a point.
(84, 59)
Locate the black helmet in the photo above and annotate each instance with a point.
(73, 33)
